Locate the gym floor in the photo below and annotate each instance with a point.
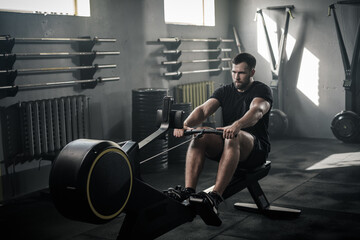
(328, 194)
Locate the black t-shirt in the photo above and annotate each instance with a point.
(235, 104)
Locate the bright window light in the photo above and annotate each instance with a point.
(190, 12)
(308, 81)
(56, 7)
(82, 8)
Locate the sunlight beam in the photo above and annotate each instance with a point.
(338, 160)
(308, 81)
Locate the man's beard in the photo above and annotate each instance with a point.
(242, 86)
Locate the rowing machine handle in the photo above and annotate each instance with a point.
(203, 131)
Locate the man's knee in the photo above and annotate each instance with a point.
(198, 143)
(244, 142)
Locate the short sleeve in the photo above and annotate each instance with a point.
(219, 95)
(264, 91)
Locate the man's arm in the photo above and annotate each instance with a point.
(198, 115)
(258, 108)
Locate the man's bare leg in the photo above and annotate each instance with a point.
(235, 150)
(195, 157)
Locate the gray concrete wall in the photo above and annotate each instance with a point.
(134, 24)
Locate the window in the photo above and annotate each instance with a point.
(190, 12)
(57, 7)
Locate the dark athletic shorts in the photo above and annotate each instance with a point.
(256, 158)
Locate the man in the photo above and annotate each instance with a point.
(245, 105)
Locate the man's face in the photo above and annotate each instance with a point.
(241, 75)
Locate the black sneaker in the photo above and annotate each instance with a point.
(206, 205)
(179, 193)
(217, 198)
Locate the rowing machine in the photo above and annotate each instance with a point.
(96, 180)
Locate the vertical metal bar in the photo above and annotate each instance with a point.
(202, 92)
(196, 93)
(212, 87)
(81, 116)
(201, 86)
(193, 88)
(50, 126)
(196, 86)
(193, 95)
(57, 124)
(188, 94)
(68, 119)
(43, 127)
(23, 123)
(30, 129)
(86, 117)
(62, 121)
(36, 121)
(183, 94)
(74, 118)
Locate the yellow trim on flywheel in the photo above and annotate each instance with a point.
(105, 217)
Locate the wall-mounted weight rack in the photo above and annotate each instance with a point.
(11, 91)
(85, 66)
(173, 52)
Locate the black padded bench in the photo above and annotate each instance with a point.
(250, 179)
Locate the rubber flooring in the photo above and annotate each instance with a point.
(320, 177)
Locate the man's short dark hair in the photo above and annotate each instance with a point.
(245, 57)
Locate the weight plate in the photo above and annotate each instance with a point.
(278, 123)
(346, 126)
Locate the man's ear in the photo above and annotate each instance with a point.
(252, 72)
